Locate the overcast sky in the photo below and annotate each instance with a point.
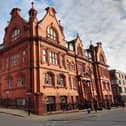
(96, 20)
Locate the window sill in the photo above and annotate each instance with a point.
(52, 40)
(61, 86)
(49, 86)
(15, 88)
(54, 64)
(44, 62)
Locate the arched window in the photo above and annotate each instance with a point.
(51, 33)
(53, 58)
(49, 78)
(15, 59)
(74, 82)
(61, 80)
(68, 65)
(15, 34)
(73, 66)
(44, 55)
(21, 81)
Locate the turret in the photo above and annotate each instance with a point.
(32, 14)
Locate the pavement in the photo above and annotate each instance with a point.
(65, 116)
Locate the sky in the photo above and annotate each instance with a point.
(97, 20)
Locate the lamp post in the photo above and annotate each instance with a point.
(89, 93)
(89, 83)
(7, 94)
(29, 103)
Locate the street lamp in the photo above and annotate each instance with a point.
(29, 105)
(89, 83)
(7, 101)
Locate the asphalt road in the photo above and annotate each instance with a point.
(109, 118)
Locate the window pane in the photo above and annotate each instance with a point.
(15, 34)
(21, 81)
(44, 52)
(51, 33)
(20, 102)
(61, 80)
(48, 78)
(44, 55)
(44, 58)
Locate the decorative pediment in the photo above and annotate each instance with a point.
(100, 54)
(79, 50)
(15, 28)
(51, 11)
(50, 22)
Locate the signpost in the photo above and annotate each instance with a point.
(29, 102)
(7, 93)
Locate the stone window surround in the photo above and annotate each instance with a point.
(56, 59)
(48, 79)
(56, 81)
(51, 33)
(21, 80)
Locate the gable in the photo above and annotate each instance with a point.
(100, 55)
(50, 21)
(16, 28)
(79, 49)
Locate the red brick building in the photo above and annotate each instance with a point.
(36, 66)
(118, 82)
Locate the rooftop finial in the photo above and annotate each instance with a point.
(32, 12)
(59, 22)
(32, 4)
(77, 34)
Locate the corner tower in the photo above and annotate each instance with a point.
(32, 14)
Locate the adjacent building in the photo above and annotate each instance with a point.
(118, 81)
(39, 69)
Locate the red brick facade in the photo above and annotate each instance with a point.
(36, 66)
(118, 82)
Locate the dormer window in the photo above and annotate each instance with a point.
(15, 34)
(71, 46)
(51, 34)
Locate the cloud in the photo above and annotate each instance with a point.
(97, 20)
(121, 8)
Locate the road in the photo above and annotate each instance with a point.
(107, 118)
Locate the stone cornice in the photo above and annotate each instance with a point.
(51, 42)
(14, 44)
